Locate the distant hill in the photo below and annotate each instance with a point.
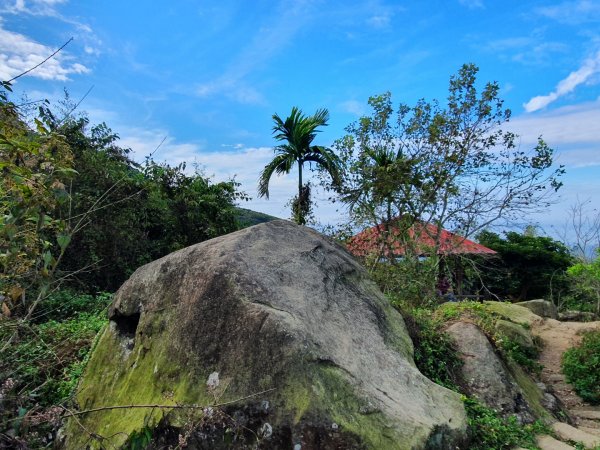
(247, 218)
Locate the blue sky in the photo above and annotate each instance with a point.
(209, 75)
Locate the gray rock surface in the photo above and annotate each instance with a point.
(485, 375)
(516, 333)
(541, 307)
(276, 312)
(577, 316)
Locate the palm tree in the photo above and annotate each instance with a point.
(298, 132)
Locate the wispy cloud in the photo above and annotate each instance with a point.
(271, 38)
(472, 4)
(572, 12)
(380, 21)
(353, 107)
(590, 67)
(19, 53)
(531, 50)
(571, 130)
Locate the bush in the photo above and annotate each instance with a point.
(487, 430)
(435, 354)
(581, 365)
(43, 363)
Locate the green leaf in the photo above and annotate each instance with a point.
(63, 240)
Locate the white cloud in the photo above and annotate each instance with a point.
(380, 21)
(590, 67)
(19, 53)
(353, 107)
(33, 7)
(572, 130)
(572, 12)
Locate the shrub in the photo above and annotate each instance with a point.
(44, 361)
(487, 430)
(581, 365)
(435, 353)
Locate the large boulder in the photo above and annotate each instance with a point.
(541, 307)
(513, 312)
(279, 317)
(484, 374)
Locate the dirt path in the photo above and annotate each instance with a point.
(557, 337)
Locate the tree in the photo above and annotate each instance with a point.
(452, 166)
(35, 165)
(135, 213)
(527, 265)
(586, 281)
(298, 132)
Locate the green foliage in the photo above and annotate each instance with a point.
(525, 357)
(528, 266)
(488, 430)
(247, 218)
(581, 365)
(35, 163)
(139, 440)
(585, 277)
(67, 304)
(435, 354)
(43, 364)
(125, 214)
(410, 281)
(298, 133)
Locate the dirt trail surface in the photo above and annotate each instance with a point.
(557, 337)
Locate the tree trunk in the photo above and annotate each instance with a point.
(300, 219)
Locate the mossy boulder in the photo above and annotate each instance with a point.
(513, 312)
(485, 374)
(541, 307)
(297, 345)
(516, 333)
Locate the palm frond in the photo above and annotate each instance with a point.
(282, 163)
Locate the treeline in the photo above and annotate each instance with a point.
(77, 210)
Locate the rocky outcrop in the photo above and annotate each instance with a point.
(577, 316)
(541, 307)
(485, 375)
(513, 312)
(516, 333)
(283, 329)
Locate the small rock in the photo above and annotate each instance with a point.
(266, 430)
(334, 426)
(213, 380)
(264, 405)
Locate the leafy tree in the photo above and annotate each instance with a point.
(527, 266)
(451, 166)
(586, 281)
(35, 164)
(298, 132)
(134, 213)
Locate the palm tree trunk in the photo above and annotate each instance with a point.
(300, 218)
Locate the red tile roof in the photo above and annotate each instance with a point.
(368, 241)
